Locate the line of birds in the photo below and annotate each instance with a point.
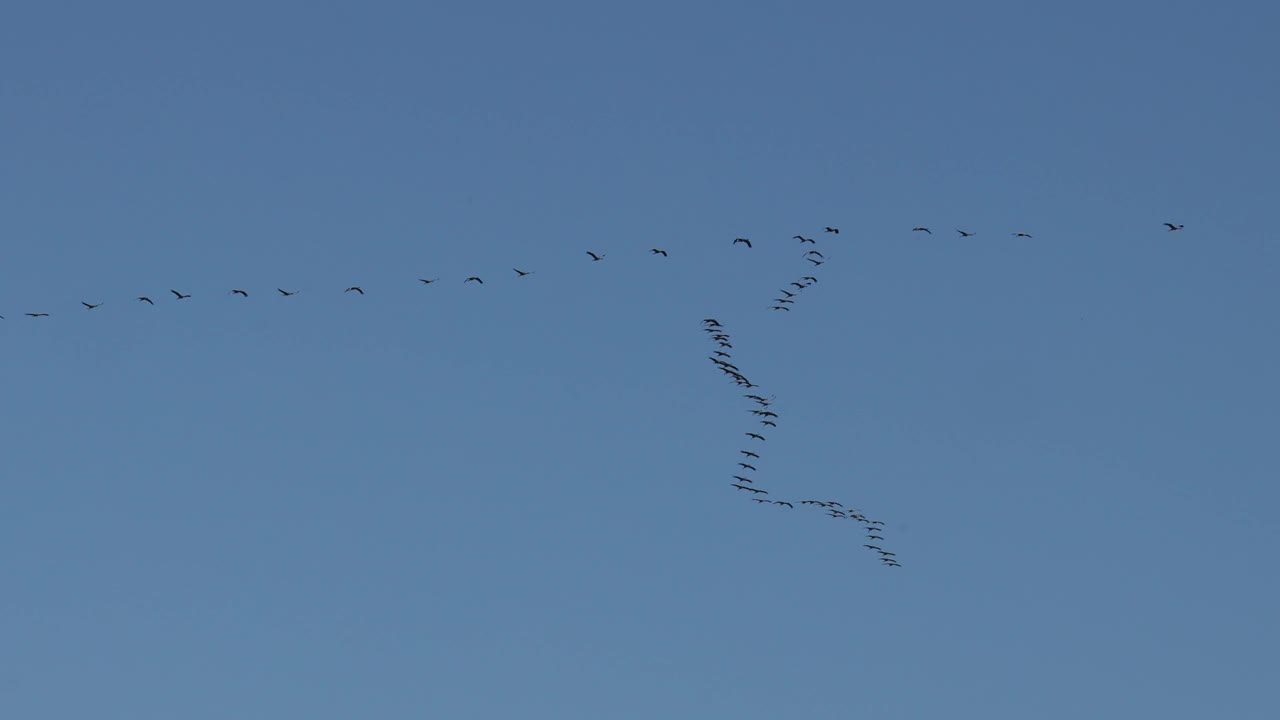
(813, 256)
(178, 295)
(965, 233)
(744, 478)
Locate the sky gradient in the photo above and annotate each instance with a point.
(512, 500)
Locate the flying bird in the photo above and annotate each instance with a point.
(1173, 227)
(754, 435)
(745, 466)
(807, 240)
(874, 537)
(37, 314)
(522, 273)
(87, 305)
(787, 294)
(145, 299)
(595, 257)
(760, 500)
(744, 241)
(784, 502)
(656, 251)
(833, 230)
(1022, 234)
(711, 321)
(815, 252)
(810, 278)
(816, 262)
(963, 233)
(354, 288)
(286, 293)
(781, 307)
(473, 278)
(179, 295)
(922, 229)
(770, 423)
(241, 293)
(722, 353)
(739, 478)
(749, 454)
(427, 282)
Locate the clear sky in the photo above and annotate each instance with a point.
(512, 500)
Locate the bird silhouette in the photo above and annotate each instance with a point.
(1022, 234)
(749, 454)
(37, 314)
(145, 299)
(522, 273)
(746, 466)
(354, 288)
(656, 251)
(810, 278)
(89, 306)
(711, 321)
(241, 293)
(873, 547)
(816, 262)
(811, 241)
(886, 553)
(427, 282)
(473, 278)
(784, 502)
(1173, 227)
(815, 252)
(784, 301)
(754, 435)
(787, 294)
(963, 233)
(179, 295)
(595, 257)
(739, 478)
(874, 537)
(760, 500)
(781, 307)
(832, 230)
(286, 293)
(722, 353)
(770, 423)
(922, 229)
(800, 285)
(744, 241)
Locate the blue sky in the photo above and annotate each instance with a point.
(512, 500)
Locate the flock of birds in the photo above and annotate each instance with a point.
(744, 477)
(813, 256)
